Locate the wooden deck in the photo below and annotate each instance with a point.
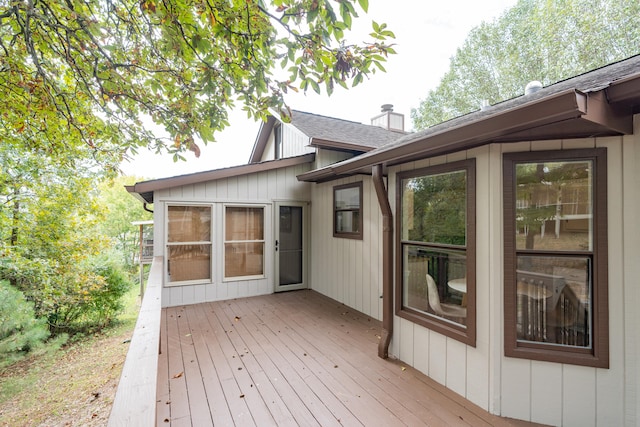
(293, 359)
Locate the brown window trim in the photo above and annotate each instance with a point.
(346, 235)
(465, 335)
(598, 355)
(277, 141)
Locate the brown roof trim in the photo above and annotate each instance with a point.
(465, 134)
(261, 139)
(563, 106)
(145, 189)
(319, 175)
(624, 91)
(336, 145)
(567, 114)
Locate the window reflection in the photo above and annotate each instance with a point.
(553, 206)
(435, 282)
(434, 237)
(553, 300)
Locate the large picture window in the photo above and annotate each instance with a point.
(188, 244)
(437, 248)
(243, 241)
(556, 256)
(347, 211)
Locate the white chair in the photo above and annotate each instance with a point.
(441, 309)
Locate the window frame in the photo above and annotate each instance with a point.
(342, 234)
(226, 278)
(277, 142)
(598, 354)
(466, 335)
(167, 282)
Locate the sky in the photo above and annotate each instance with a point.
(427, 36)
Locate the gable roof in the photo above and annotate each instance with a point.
(598, 103)
(328, 132)
(144, 190)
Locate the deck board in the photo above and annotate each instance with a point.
(293, 359)
(273, 387)
(289, 373)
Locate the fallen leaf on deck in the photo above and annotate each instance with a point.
(404, 369)
(241, 396)
(178, 375)
(237, 318)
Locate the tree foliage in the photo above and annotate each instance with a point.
(438, 208)
(20, 331)
(83, 74)
(50, 245)
(548, 41)
(120, 211)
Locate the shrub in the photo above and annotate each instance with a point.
(106, 300)
(71, 297)
(20, 331)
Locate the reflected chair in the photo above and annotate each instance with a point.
(442, 309)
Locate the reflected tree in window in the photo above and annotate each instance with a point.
(436, 206)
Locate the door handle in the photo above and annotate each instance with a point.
(276, 246)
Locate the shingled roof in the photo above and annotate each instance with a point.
(329, 132)
(598, 103)
(322, 128)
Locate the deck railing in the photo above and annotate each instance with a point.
(135, 401)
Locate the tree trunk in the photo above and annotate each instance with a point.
(15, 221)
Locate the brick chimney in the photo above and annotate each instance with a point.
(388, 119)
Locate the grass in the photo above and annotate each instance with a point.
(70, 386)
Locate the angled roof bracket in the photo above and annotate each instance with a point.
(599, 111)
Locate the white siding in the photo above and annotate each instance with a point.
(631, 290)
(543, 392)
(294, 143)
(347, 270)
(350, 271)
(326, 157)
(260, 189)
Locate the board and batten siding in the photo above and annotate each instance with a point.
(542, 392)
(347, 270)
(294, 143)
(326, 157)
(259, 189)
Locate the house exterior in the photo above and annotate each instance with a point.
(499, 249)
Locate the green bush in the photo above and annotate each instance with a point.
(20, 331)
(106, 300)
(72, 298)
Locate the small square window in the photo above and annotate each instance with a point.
(347, 211)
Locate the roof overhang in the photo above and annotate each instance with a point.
(567, 114)
(339, 145)
(262, 139)
(144, 190)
